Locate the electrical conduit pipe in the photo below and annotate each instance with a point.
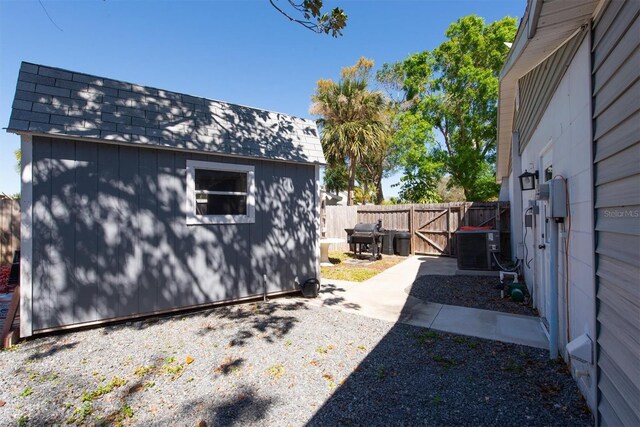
(553, 290)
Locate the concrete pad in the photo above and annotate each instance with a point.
(491, 325)
(436, 265)
(384, 297)
(419, 313)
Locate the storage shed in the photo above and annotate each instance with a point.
(138, 200)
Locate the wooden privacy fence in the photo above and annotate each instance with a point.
(336, 219)
(9, 229)
(432, 226)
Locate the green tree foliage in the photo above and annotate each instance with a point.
(413, 147)
(449, 193)
(453, 90)
(352, 122)
(377, 164)
(313, 17)
(422, 172)
(18, 155)
(364, 194)
(391, 201)
(336, 177)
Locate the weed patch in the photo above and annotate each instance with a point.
(427, 337)
(125, 412)
(512, 366)
(330, 380)
(173, 368)
(26, 392)
(81, 413)
(276, 371)
(143, 370)
(445, 361)
(381, 372)
(460, 339)
(103, 389)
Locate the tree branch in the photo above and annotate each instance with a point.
(485, 150)
(445, 133)
(326, 23)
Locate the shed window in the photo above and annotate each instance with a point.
(219, 193)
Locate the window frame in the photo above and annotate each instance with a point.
(194, 219)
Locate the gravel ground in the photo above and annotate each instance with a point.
(281, 363)
(467, 291)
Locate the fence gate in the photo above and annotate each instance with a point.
(434, 228)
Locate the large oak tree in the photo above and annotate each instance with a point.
(452, 91)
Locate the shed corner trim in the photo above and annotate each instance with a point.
(26, 237)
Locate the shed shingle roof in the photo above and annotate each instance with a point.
(60, 102)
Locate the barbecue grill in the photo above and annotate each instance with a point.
(367, 237)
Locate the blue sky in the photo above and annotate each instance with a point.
(238, 51)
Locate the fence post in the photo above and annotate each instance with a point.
(412, 229)
(449, 243)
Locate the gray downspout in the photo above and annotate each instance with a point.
(516, 202)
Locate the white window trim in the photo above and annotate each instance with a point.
(195, 219)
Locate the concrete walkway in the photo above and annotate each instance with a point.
(386, 297)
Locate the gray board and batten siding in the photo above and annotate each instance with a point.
(105, 218)
(616, 128)
(110, 236)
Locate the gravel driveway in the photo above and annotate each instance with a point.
(281, 363)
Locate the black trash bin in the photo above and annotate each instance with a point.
(403, 243)
(310, 288)
(352, 246)
(387, 242)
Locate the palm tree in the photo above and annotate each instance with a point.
(351, 118)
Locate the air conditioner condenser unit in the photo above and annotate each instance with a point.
(476, 248)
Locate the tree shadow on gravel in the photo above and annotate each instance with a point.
(243, 407)
(259, 320)
(417, 376)
(229, 365)
(45, 350)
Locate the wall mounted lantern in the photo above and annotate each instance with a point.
(528, 180)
